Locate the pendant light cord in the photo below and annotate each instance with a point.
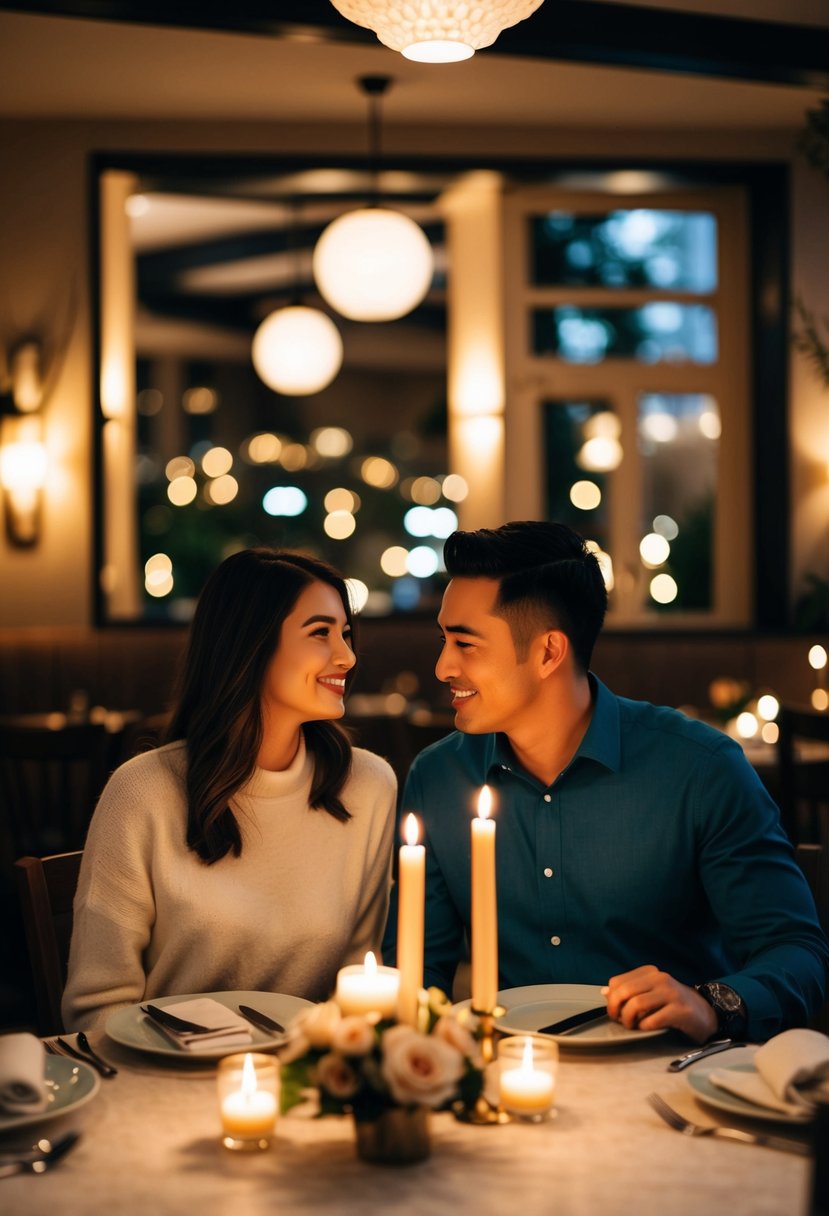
(374, 87)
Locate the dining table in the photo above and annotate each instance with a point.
(151, 1146)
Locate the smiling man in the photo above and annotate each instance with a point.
(636, 848)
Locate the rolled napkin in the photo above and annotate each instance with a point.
(222, 1027)
(786, 1066)
(22, 1080)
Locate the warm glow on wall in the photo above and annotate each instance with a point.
(22, 476)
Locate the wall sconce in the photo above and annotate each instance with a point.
(22, 476)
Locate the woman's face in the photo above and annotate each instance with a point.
(305, 679)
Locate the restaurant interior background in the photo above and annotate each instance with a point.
(623, 223)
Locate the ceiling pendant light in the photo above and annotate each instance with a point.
(373, 264)
(436, 31)
(297, 350)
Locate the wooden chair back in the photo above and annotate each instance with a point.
(50, 780)
(803, 778)
(46, 888)
(813, 860)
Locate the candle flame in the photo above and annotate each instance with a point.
(485, 802)
(248, 1076)
(370, 963)
(410, 830)
(527, 1061)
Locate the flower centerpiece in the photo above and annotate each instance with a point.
(388, 1076)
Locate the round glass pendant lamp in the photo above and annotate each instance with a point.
(436, 31)
(297, 350)
(373, 264)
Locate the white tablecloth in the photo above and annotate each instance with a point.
(151, 1147)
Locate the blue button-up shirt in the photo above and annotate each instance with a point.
(657, 844)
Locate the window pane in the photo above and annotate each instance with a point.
(678, 438)
(660, 332)
(582, 448)
(663, 250)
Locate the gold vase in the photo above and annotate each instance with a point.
(398, 1137)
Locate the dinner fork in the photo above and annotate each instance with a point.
(674, 1119)
(39, 1165)
(60, 1047)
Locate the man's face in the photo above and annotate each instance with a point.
(491, 690)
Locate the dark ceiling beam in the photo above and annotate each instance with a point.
(576, 31)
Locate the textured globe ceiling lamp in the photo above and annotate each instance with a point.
(373, 264)
(297, 350)
(436, 31)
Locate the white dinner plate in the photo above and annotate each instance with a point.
(69, 1084)
(132, 1028)
(741, 1059)
(536, 1005)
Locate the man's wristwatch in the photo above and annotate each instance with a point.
(729, 1006)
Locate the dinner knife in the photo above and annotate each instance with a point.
(261, 1020)
(179, 1025)
(597, 1014)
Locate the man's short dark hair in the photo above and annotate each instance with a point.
(549, 579)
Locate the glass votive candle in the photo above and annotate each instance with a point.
(248, 1087)
(527, 1067)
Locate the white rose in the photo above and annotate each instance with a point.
(353, 1036)
(450, 1030)
(420, 1069)
(318, 1023)
(336, 1076)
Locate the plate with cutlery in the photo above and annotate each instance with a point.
(69, 1084)
(572, 1014)
(207, 1025)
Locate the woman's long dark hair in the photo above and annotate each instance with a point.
(235, 631)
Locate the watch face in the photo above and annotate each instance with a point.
(723, 996)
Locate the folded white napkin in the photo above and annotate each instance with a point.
(22, 1082)
(785, 1066)
(223, 1027)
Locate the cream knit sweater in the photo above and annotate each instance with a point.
(307, 895)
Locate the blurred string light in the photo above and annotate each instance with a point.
(340, 499)
(200, 400)
(665, 526)
(422, 562)
(179, 466)
(158, 575)
(454, 487)
(216, 461)
(768, 707)
(654, 550)
(817, 657)
(284, 500)
(663, 589)
(293, 457)
(585, 495)
(747, 725)
(182, 490)
(659, 426)
(339, 525)
(221, 490)
(439, 522)
(601, 452)
(378, 472)
(263, 448)
(331, 441)
(393, 561)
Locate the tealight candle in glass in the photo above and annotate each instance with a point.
(527, 1067)
(248, 1088)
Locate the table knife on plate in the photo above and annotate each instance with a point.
(261, 1020)
(179, 1025)
(597, 1014)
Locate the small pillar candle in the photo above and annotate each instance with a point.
(410, 911)
(368, 988)
(248, 1089)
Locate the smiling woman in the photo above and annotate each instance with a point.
(222, 860)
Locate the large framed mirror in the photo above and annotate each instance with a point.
(200, 451)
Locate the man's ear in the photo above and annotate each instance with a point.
(555, 648)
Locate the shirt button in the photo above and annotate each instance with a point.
(555, 941)
(548, 798)
(548, 873)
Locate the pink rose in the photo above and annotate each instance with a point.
(419, 1069)
(353, 1036)
(337, 1076)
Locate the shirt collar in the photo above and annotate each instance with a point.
(601, 742)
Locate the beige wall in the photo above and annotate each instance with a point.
(44, 255)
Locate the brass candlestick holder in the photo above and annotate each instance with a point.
(483, 1113)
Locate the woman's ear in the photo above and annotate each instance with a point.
(555, 648)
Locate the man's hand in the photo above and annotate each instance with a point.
(649, 999)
